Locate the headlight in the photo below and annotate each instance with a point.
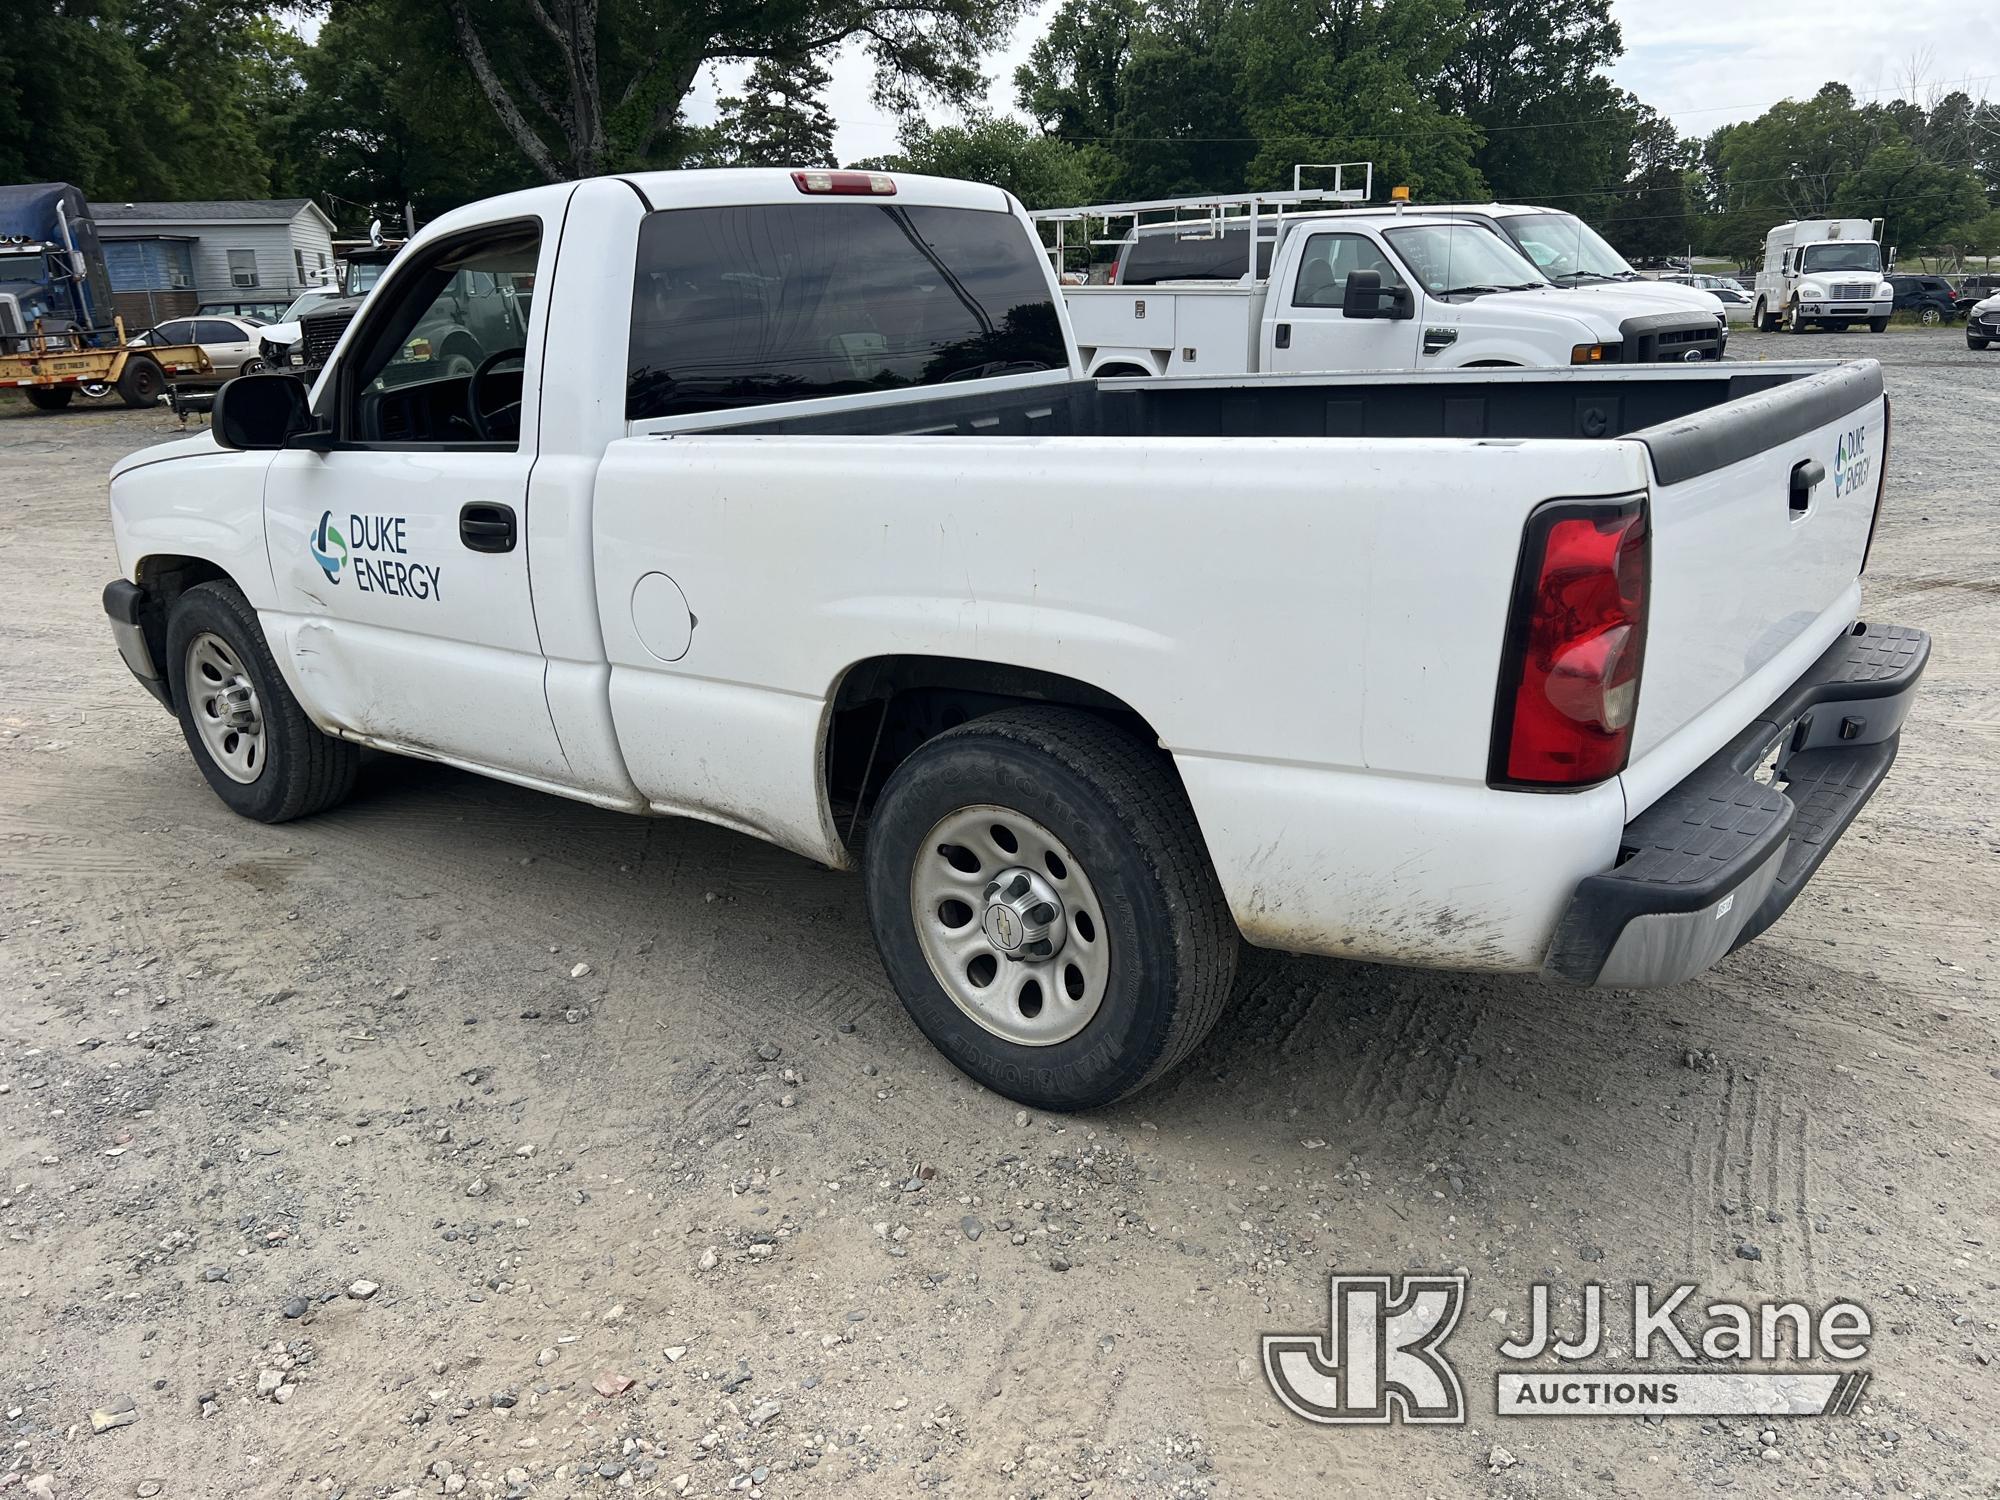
(1811, 289)
(1884, 290)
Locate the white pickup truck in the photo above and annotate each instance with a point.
(795, 512)
(1373, 289)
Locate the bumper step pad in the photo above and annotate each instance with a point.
(1721, 857)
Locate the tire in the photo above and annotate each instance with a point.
(1795, 319)
(1931, 316)
(298, 770)
(1878, 325)
(1765, 321)
(1973, 343)
(50, 397)
(142, 382)
(1112, 803)
(252, 367)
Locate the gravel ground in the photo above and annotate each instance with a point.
(472, 1140)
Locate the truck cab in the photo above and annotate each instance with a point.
(1823, 273)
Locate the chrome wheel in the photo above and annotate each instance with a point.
(1010, 925)
(224, 704)
(1930, 317)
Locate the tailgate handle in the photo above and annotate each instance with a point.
(487, 527)
(1806, 477)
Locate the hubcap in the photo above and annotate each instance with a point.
(223, 702)
(1010, 925)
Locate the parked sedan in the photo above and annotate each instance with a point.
(1982, 324)
(1730, 293)
(229, 343)
(1929, 297)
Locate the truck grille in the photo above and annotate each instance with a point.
(1670, 337)
(319, 335)
(1852, 291)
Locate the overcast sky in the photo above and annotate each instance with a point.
(1680, 57)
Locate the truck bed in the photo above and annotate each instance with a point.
(1767, 403)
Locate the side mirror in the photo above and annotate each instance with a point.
(262, 411)
(1364, 296)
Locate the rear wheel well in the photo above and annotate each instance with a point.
(1120, 370)
(162, 579)
(886, 706)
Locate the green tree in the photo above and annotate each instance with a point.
(1919, 201)
(1354, 80)
(588, 86)
(138, 98)
(1041, 171)
(1072, 83)
(780, 119)
(1530, 74)
(1653, 214)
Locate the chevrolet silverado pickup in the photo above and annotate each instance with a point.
(794, 511)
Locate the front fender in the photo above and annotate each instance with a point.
(198, 500)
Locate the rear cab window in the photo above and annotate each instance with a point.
(743, 306)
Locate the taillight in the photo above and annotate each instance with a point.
(1576, 638)
(1881, 484)
(849, 184)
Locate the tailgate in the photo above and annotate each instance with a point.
(1761, 512)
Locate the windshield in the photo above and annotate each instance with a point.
(1462, 258)
(306, 302)
(362, 276)
(1567, 249)
(19, 267)
(1851, 255)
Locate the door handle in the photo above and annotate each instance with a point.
(1283, 337)
(486, 527)
(1806, 477)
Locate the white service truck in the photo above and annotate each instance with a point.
(1356, 290)
(794, 511)
(1823, 273)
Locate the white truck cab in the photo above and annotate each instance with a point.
(1823, 273)
(1575, 256)
(1434, 291)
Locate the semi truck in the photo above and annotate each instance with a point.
(1823, 273)
(59, 332)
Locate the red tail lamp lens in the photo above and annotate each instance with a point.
(1576, 638)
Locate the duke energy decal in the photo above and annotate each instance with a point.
(1852, 463)
(324, 540)
(379, 559)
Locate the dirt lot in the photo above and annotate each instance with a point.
(243, 1069)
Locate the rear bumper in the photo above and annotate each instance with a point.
(1721, 856)
(122, 601)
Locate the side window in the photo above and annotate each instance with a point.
(410, 376)
(179, 331)
(737, 307)
(1327, 262)
(213, 331)
(242, 267)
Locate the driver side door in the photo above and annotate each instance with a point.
(400, 555)
(1308, 330)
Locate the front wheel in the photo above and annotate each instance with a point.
(254, 744)
(1045, 907)
(1973, 343)
(1795, 319)
(1878, 325)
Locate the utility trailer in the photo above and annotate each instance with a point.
(50, 368)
